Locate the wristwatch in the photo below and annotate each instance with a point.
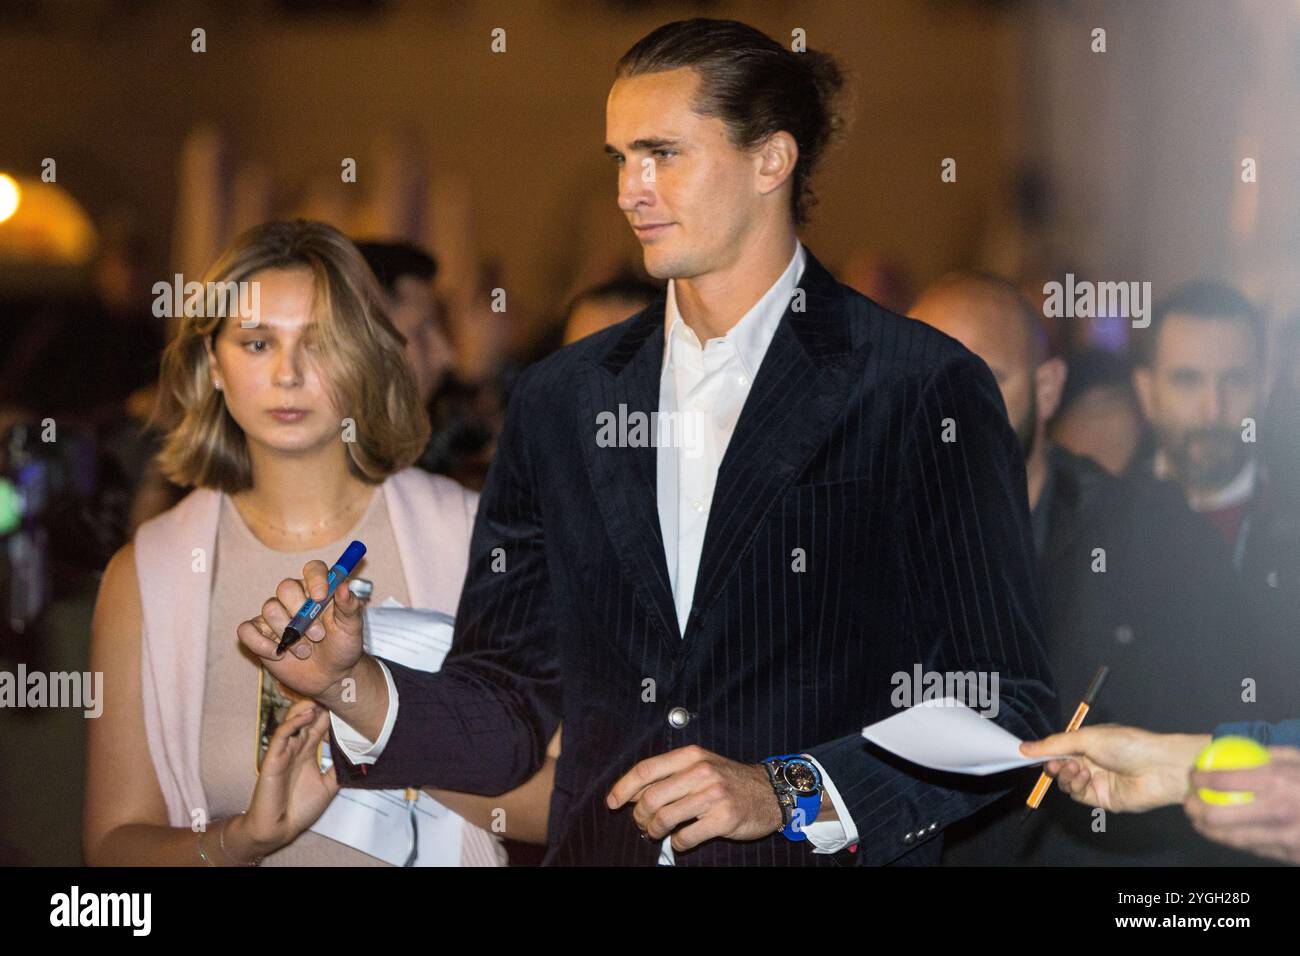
(798, 787)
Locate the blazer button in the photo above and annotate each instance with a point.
(678, 718)
(932, 828)
(910, 838)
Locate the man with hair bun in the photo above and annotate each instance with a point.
(717, 608)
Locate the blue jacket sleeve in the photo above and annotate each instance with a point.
(1285, 733)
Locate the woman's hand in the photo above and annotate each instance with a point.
(291, 792)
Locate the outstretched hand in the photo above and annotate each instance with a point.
(1120, 769)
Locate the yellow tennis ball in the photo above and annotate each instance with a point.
(1231, 753)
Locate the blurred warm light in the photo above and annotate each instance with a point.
(10, 196)
(40, 223)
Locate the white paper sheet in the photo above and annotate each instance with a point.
(947, 735)
(378, 822)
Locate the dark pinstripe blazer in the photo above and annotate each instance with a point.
(846, 542)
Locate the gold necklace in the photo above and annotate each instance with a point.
(323, 523)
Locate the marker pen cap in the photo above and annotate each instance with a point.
(351, 556)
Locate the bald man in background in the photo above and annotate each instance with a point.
(1129, 579)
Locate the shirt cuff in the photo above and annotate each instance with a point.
(831, 836)
(357, 748)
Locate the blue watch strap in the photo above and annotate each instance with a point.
(807, 808)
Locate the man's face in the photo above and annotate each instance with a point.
(1004, 345)
(414, 311)
(688, 193)
(1203, 380)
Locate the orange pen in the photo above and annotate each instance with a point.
(1080, 712)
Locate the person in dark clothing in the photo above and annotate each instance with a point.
(1200, 377)
(405, 275)
(1099, 416)
(464, 416)
(1281, 446)
(1129, 579)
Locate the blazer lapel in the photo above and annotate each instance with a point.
(802, 385)
(624, 382)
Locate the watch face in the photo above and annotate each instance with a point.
(801, 776)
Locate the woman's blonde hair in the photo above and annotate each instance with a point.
(360, 354)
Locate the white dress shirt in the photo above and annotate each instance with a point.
(702, 390)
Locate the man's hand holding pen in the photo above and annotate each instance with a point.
(330, 666)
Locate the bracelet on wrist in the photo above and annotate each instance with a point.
(221, 840)
(198, 842)
(783, 801)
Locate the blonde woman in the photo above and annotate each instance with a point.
(295, 419)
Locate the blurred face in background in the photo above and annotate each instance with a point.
(589, 316)
(1103, 423)
(270, 376)
(1204, 379)
(697, 199)
(414, 310)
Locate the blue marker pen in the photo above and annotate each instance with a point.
(309, 611)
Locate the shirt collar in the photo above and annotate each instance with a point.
(1233, 493)
(753, 333)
